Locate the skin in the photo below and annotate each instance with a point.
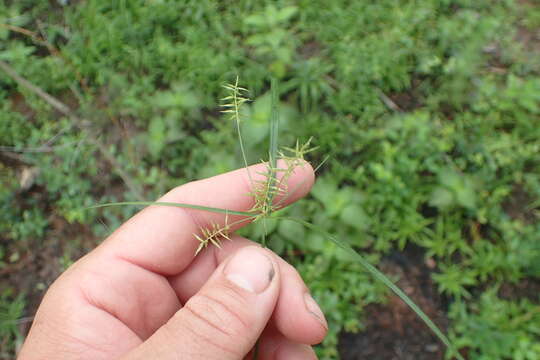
(142, 294)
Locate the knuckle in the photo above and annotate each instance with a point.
(166, 343)
(218, 322)
(225, 313)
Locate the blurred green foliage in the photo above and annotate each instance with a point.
(493, 328)
(429, 110)
(11, 312)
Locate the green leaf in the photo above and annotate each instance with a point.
(354, 216)
(255, 20)
(286, 13)
(337, 204)
(263, 227)
(324, 190)
(441, 198)
(456, 189)
(466, 196)
(257, 128)
(156, 136)
(315, 242)
(276, 243)
(180, 96)
(181, 205)
(292, 231)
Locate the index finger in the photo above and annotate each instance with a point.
(161, 238)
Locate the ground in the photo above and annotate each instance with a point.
(428, 111)
(392, 330)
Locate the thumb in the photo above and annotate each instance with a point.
(226, 317)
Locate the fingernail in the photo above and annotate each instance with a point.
(293, 351)
(250, 270)
(314, 309)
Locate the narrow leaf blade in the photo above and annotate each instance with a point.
(385, 280)
(181, 205)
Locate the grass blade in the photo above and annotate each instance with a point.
(274, 124)
(181, 205)
(385, 280)
(273, 146)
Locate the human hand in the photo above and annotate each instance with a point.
(142, 294)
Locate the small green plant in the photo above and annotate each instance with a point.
(11, 310)
(270, 40)
(429, 109)
(273, 185)
(495, 328)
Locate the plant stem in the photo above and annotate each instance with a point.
(273, 149)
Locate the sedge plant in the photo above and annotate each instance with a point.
(272, 185)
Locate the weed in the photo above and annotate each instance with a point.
(11, 310)
(273, 185)
(454, 171)
(213, 235)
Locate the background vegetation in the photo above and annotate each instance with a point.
(429, 109)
